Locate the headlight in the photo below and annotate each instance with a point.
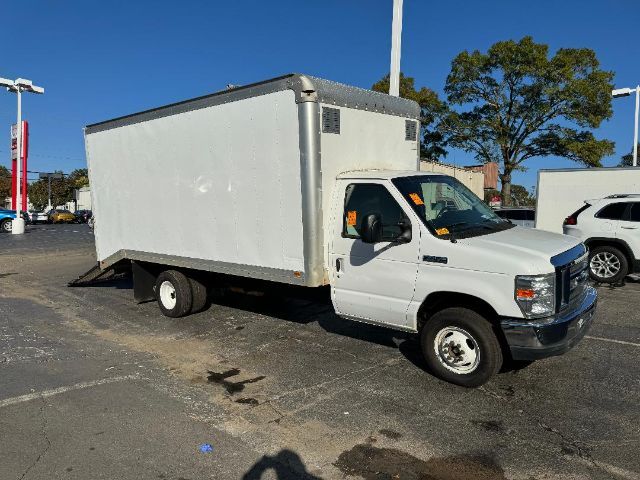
(535, 295)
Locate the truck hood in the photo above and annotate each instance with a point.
(519, 251)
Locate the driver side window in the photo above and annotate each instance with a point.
(362, 199)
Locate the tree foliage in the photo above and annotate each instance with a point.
(5, 183)
(521, 197)
(627, 160)
(79, 178)
(61, 191)
(515, 103)
(431, 109)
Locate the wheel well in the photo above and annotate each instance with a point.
(612, 242)
(438, 301)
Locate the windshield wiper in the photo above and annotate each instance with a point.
(457, 224)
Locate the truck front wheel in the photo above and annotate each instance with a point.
(173, 292)
(459, 346)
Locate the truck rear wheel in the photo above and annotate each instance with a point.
(173, 292)
(199, 294)
(459, 346)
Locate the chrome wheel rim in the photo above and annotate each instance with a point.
(168, 295)
(605, 265)
(457, 350)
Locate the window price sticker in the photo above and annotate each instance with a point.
(416, 199)
(351, 217)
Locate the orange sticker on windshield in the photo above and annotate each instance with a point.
(416, 199)
(442, 231)
(351, 217)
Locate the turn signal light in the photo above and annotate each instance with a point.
(525, 293)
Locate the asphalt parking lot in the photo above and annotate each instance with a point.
(94, 386)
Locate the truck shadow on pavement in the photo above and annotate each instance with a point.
(304, 306)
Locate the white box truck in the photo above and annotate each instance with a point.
(560, 192)
(304, 181)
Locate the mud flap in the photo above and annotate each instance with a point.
(144, 281)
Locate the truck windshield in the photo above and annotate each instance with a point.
(448, 208)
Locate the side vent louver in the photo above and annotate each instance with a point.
(330, 120)
(410, 130)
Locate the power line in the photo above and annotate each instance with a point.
(45, 155)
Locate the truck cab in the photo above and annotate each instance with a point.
(420, 252)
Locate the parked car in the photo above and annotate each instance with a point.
(39, 217)
(7, 216)
(522, 216)
(61, 216)
(610, 228)
(83, 216)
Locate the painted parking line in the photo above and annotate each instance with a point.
(57, 391)
(611, 340)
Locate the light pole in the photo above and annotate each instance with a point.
(18, 86)
(625, 92)
(49, 176)
(396, 37)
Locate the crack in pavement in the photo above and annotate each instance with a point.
(44, 434)
(576, 447)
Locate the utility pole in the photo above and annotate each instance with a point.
(396, 38)
(635, 134)
(49, 176)
(625, 92)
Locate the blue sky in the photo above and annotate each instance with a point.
(98, 60)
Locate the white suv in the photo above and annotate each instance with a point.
(610, 228)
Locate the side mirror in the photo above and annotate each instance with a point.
(405, 228)
(371, 228)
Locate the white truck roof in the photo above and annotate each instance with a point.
(386, 174)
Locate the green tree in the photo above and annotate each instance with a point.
(38, 194)
(5, 184)
(79, 178)
(515, 103)
(61, 192)
(431, 109)
(627, 160)
(521, 197)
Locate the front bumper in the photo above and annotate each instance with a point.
(535, 339)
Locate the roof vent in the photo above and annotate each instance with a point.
(330, 120)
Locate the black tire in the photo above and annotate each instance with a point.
(183, 299)
(199, 294)
(618, 259)
(465, 323)
(5, 225)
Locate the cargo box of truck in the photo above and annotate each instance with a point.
(238, 181)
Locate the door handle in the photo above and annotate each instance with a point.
(629, 228)
(338, 265)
